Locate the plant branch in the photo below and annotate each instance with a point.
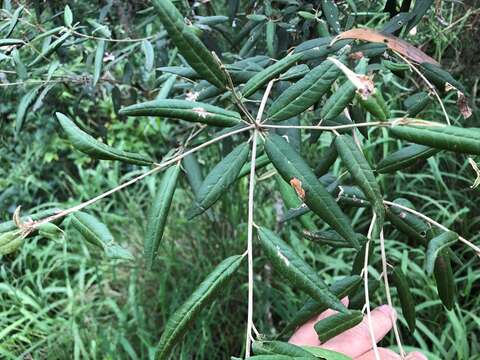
(157, 168)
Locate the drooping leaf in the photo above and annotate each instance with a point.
(158, 213)
(224, 174)
(149, 55)
(325, 353)
(269, 73)
(188, 44)
(97, 233)
(293, 168)
(14, 20)
(357, 300)
(185, 110)
(94, 148)
(291, 266)
(452, 138)
(304, 93)
(405, 157)
(341, 288)
(407, 223)
(405, 296)
(436, 246)
(336, 324)
(181, 320)
(25, 103)
(260, 162)
(271, 39)
(445, 280)
(98, 62)
(439, 76)
(397, 22)
(419, 10)
(416, 103)
(329, 237)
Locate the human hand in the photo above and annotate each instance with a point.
(355, 342)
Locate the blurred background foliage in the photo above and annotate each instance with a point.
(60, 299)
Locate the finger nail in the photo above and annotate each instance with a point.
(388, 311)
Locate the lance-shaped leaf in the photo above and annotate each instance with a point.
(341, 288)
(416, 103)
(260, 163)
(25, 103)
(330, 10)
(280, 348)
(182, 319)
(271, 72)
(325, 353)
(224, 174)
(405, 296)
(185, 110)
(439, 76)
(436, 246)
(359, 168)
(90, 146)
(97, 233)
(10, 242)
(330, 237)
(336, 324)
(98, 62)
(452, 138)
(149, 55)
(188, 44)
(357, 300)
(293, 168)
(284, 259)
(407, 223)
(304, 93)
(419, 9)
(445, 280)
(343, 96)
(51, 48)
(405, 157)
(157, 216)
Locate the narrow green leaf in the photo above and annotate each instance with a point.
(149, 55)
(405, 296)
(296, 270)
(330, 237)
(224, 174)
(180, 321)
(405, 157)
(51, 48)
(407, 223)
(452, 138)
(341, 288)
(97, 233)
(10, 242)
(375, 104)
(357, 300)
(445, 280)
(280, 348)
(260, 163)
(185, 110)
(330, 10)
(193, 171)
(68, 16)
(436, 246)
(439, 76)
(90, 146)
(343, 96)
(336, 324)
(14, 20)
(158, 213)
(416, 103)
(306, 92)
(327, 159)
(188, 44)
(271, 39)
(98, 62)
(269, 73)
(419, 9)
(25, 103)
(293, 168)
(359, 168)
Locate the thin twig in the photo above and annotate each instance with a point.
(433, 222)
(251, 188)
(157, 168)
(387, 293)
(429, 84)
(367, 295)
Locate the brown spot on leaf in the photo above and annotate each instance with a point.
(297, 185)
